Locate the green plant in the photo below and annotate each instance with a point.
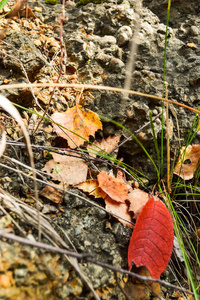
(3, 3)
(52, 2)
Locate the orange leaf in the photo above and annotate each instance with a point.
(115, 188)
(120, 209)
(186, 171)
(80, 122)
(91, 187)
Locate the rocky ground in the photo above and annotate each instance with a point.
(96, 48)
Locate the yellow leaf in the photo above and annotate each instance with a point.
(80, 122)
(91, 186)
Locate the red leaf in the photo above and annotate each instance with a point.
(152, 239)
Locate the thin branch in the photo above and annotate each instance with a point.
(5, 234)
(94, 87)
(139, 277)
(133, 51)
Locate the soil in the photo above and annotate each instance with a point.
(96, 48)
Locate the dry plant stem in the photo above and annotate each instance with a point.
(6, 105)
(12, 220)
(4, 233)
(86, 256)
(133, 51)
(61, 21)
(139, 277)
(136, 131)
(95, 87)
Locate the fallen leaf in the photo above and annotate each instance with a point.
(115, 188)
(27, 13)
(14, 12)
(52, 194)
(107, 145)
(91, 186)
(186, 170)
(120, 209)
(69, 170)
(140, 290)
(82, 123)
(138, 199)
(152, 239)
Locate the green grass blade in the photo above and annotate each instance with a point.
(3, 3)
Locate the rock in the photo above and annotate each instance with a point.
(20, 48)
(124, 35)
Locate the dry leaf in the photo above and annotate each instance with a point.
(138, 199)
(14, 12)
(27, 13)
(91, 186)
(115, 188)
(80, 122)
(107, 145)
(52, 194)
(69, 170)
(120, 209)
(186, 171)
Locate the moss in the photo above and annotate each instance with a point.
(52, 2)
(84, 2)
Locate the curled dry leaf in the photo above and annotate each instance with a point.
(81, 123)
(113, 191)
(115, 188)
(152, 239)
(138, 199)
(91, 186)
(69, 170)
(186, 170)
(120, 209)
(107, 145)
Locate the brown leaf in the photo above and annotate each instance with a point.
(14, 12)
(191, 153)
(69, 170)
(52, 194)
(138, 199)
(107, 145)
(115, 188)
(120, 209)
(27, 13)
(80, 122)
(91, 186)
